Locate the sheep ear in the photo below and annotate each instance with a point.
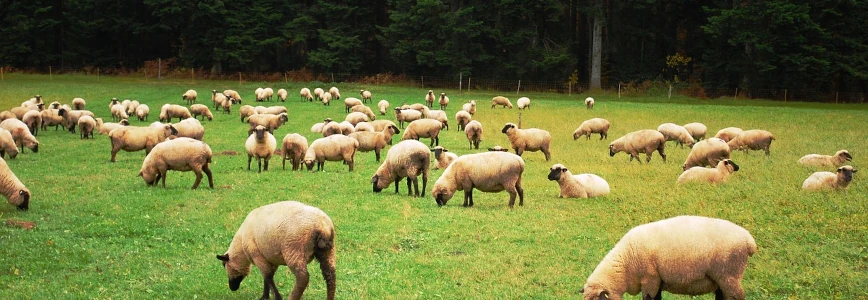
(375, 178)
(564, 169)
(604, 295)
(223, 257)
(854, 170)
(21, 192)
(140, 174)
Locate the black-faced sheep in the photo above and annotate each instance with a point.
(578, 186)
(132, 106)
(190, 128)
(469, 107)
(752, 140)
(78, 104)
(218, 99)
(7, 144)
(119, 113)
(169, 111)
(363, 126)
(273, 110)
(707, 152)
(716, 175)
(305, 94)
(178, 154)
(106, 128)
(375, 140)
(197, 110)
(246, 111)
(86, 125)
(595, 125)
(270, 122)
(501, 100)
(134, 138)
(819, 160)
(294, 148)
(351, 102)
(444, 101)
(189, 96)
(473, 131)
(488, 172)
(317, 93)
(696, 130)
(14, 191)
(436, 114)
(326, 99)
(523, 102)
(50, 117)
(356, 117)
(366, 96)
(424, 128)
(142, 112)
(674, 132)
(335, 147)
(531, 139)
(281, 95)
(232, 95)
(830, 181)
(429, 98)
(261, 144)
(642, 141)
(443, 158)
(589, 103)
(406, 115)
(462, 118)
(383, 105)
(728, 133)
(336, 94)
(33, 120)
(20, 134)
(365, 110)
(406, 159)
(7, 115)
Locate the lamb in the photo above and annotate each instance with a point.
(523, 102)
(444, 101)
(232, 95)
(274, 110)
(119, 112)
(326, 99)
(366, 96)
(375, 140)
(218, 99)
(674, 132)
(642, 141)
(702, 255)
(383, 105)
(438, 115)
(363, 126)
(246, 111)
(429, 98)
(317, 92)
(462, 118)
(488, 172)
(197, 110)
(170, 111)
(261, 144)
(78, 103)
(190, 128)
(406, 159)
(406, 115)
(15, 192)
(578, 186)
(142, 112)
(443, 158)
(351, 102)
(294, 148)
(830, 181)
(304, 94)
(356, 117)
(281, 94)
(132, 106)
(473, 131)
(86, 124)
(134, 138)
(752, 140)
(365, 110)
(589, 103)
(424, 128)
(696, 130)
(21, 134)
(469, 107)
(728, 133)
(285, 233)
(819, 160)
(33, 120)
(501, 100)
(332, 148)
(531, 139)
(189, 96)
(336, 94)
(106, 128)
(179, 154)
(595, 125)
(716, 175)
(70, 118)
(270, 122)
(7, 144)
(707, 152)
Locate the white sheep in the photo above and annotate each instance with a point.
(267, 93)
(473, 131)
(366, 96)
(317, 127)
(752, 140)
(531, 139)
(719, 174)
(462, 118)
(273, 110)
(365, 110)
(284, 233)
(728, 133)
(142, 112)
(326, 99)
(178, 154)
(113, 102)
(246, 111)
(189, 96)
(33, 120)
(305, 94)
(259, 93)
(190, 128)
(197, 110)
(383, 105)
(281, 94)
(436, 114)
(227, 105)
(270, 122)
(70, 118)
(356, 117)
(346, 128)
(7, 115)
(642, 141)
(15, 192)
(689, 255)
(406, 115)
(363, 126)
(444, 101)
(407, 159)
(317, 93)
(134, 138)
(232, 95)
(578, 186)
(470, 107)
(589, 103)
(442, 157)
(677, 133)
(169, 111)
(20, 111)
(336, 94)
(50, 117)
(501, 100)
(696, 130)
(217, 98)
(424, 128)
(374, 140)
(707, 152)
(351, 102)
(119, 112)
(429, 98)
(335, 147)
(54, 105)
(21, 134)
(132, 106)
(595, 125)
(7, 144)
(488, 172)
(293, 148)
(830, 181)
(260, 144)
(78, 103)
(86, 124)
(819, 160)
(331, 128)
(523, 102)
(105, 128)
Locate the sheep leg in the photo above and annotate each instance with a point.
(268, 281)
(115, 150)
(409, 187)
(468, 197)
(207, 169)
(266, 162)
(249, 159)
(397, 184)
(284, 159)
(301, 280)
(326, 260)
(198, 173)
(259, 162)
(416, 186)
(163, 174)
(651, 287)
(547, 153)
(660, 150)
(377, 153)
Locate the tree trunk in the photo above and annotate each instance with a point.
(597, 54)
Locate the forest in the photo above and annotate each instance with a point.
(819, 44)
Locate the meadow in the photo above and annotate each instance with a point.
(101, 233)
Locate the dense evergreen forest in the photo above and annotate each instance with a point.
(800, 44)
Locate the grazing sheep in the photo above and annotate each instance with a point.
(335, 147)
(20, 111)
(126, 103)
(642, 141)
(33, 120)
(70, 118)
(178, 154)
(365, 110)
(429, 98)
(406, 115)
(246, 111)
(317, 92)
(119, 112)
(317, 127)
(674, 132)
(261, 144)
(531, 139)
(274, 110)
(218, 99)
(134, 138)
(470, 107)
(106, 128)
(578, 186)
(304, 94)
(190, 128)
(462, 118)
(383, 105)
(363, 126)
(86, 124)
(331, 128)
(281, 95)
(375, 140)
(719, 174)
(7, 115)
(687, 255)
(830, 181)
(595, 125)
(142, 112)
(336, 94)
(294, 147)
(438, 115)
(707, 152)
(284, 233)
(131, 107)
(232, 95)
(7, 144)
(50, 117)
(488, 172)
(443, 158)
(346, 128)
(523, 102)
(21, 134)
(415, 106)
(351, 102)
(500, 100)
(424, 128)
(197, 110)
(406, 159)
(696, 130)
(113, 102)
(15, 192)
(589, 103)
(366, 96)
(189, 96)
(379, 125)
(267, 93)
(227, 105)
(326, 99)
(270, 122)
(444, 101)
(259, 93)
(356, 117)
(473, 131)
(78, 103)
(169, 111)
(727, 134)
(752, 140)
(819, 160)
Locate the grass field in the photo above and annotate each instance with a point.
(101, 233)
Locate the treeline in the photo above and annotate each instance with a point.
(808, 44)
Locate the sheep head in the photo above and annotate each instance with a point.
(557, 171)
(597, 292)
(438, 151)
(32, 145)
(729, 164)
(442, 194)
(379, 183)
(845, 173)
(507, 127)
(394, 129)
(234, 270)
(21, 199)
(260, 132)
(124, 122)
(845, 154)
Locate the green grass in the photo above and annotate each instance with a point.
(101, 233)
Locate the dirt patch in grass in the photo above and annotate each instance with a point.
(21, 224)
(229, 153)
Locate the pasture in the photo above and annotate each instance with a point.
(101, 233)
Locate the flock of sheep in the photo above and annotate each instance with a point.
(719, 248)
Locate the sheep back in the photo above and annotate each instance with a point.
(488, 172)
(13, 189)
(178, 154)
(595, 125)
(408, 159)
(707, 152)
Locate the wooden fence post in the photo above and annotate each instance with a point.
(159, 68)
(460, 81)
(49, 73)
(518, 89)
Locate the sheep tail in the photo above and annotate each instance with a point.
(324, 240)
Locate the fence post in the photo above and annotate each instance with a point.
(97, 74)
(423, 81)
(619, 91)
(836, 97)
(670, 91)
(2, 77)
(518, 89)
(49, 73)
(239, 77)
(193, 75)
(468, 83)
(569, 88)
(159, 68)
(333, 77)
(285, 81)
(460, 81)
(736, 94)
(785, 95)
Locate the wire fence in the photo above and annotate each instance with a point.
(160, 70)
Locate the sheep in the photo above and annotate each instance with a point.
(335, 147)
(281, 95)
(261, 144)
(406, 159)
(707, 152)
(317, 127)
(105, 128)
(20, 111)
(70, 118)
(424, 128)
(438, 115)
(470, 107)
(346, 128)
(54, 105)
(86, 124)
(830, 181)
(227, 105)
(642, 141)
(33, 101)
(375, 140)
(274, 110)
(113, 102)
(462, 118)
(366, 96)
(304, 94)
(351, 102)
(246, 111)
(591, 126)
(284, 233)
(429, 98)
(336, 94)
(190, 128)
(33, 120)
(317, 92)
(674, 132)
(126, 103)
(78, 103)
(365, 110)
(379, 125)
(531, 139)
(578, 186)
(523, 102)
(819, 160)
(696, 130)
(169, 111)
(473, 131)
(142, 112)
(406, 115)
(444, 101)
(178, 154)
(189, 96)
(134, 138)
(218, 99)
(131, 107)
(383, 105)
(488, 172)
(501, 100)
(258, 93)
(197, 110)
(326, 99)
(415, 106)
(363, 126)
(589, 103)
(267, 93)
(293, 149)
(232, 95)
(356, 117)
(21, 134)
(689, 255)
(752, 140)
(270, 122)
(7, 115)
(443, 158)
(728, 133)
(7, 144)
(331, 128)
(725, 167)
(119, 112)
(12, 188)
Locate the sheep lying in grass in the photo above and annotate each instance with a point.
(375, 141)
(707, 152)
(589, 103)
(429, 98)
(142, 112)
(261, 144)
(462, 118)
(86, 124)
(294, 147)
(134, 138)
(189, 96)
(531, 139)
(335, 147)
(830, 181)
(687, 255)
(752, 140)
(473, 131)
(78, 103)
(728, 133)
(819, 160)
(470, 107)
(383, 105)
(424, 128)
(201, 110)
(501, 100)
(716, 175)
(696, 130)
(21, 134)
(642, 141)
(523, 102)
(178, 154)
(7, 144)
(406, 159)
(442, 157)
(12, 188)
(595, 125)
(284, 233)
(488, 172)
(578, 186)
(674, 132)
